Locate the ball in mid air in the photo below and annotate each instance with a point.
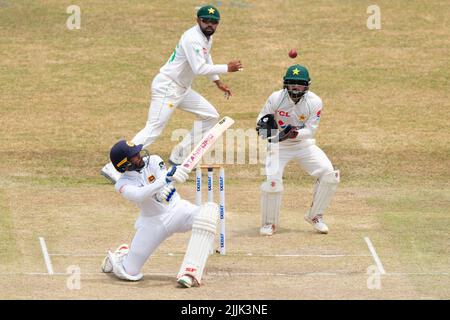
(293, 53)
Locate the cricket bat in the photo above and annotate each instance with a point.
(208, 140)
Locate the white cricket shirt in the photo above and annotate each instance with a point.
(305, 115)
(141, 187)
(192, 57)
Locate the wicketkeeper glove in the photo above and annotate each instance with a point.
(287, 133)
(267, 126)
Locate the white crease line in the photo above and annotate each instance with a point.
(211, 274)
(170, 254)
(47, 260)
(240, 274)
(78, 254)
(375, 256)
(418, 273)
(309, 255)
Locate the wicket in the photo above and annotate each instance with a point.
(198, 197)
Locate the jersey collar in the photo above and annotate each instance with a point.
(197, 27)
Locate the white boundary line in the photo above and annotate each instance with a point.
(375, 256)
(47, 260)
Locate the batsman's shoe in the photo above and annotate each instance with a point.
(121, 251)
(186, 281)
(267, 230)
(119, 270)
(110, 173)
(317, 222)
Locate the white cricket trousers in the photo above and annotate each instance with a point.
(311, 158)
(167, 95)
(152, 231)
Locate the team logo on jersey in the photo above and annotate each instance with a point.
(205, 51)
(197, 51)
(162, 165)
(302, 118)
(283, 113)
(151, 179)
(281, 124)
(318, 113)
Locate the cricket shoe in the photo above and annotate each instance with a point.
(118, 269)
(121, 251)
(110, 173)
(267, 230)
(177, 155)
(317, 222)
(186, 281)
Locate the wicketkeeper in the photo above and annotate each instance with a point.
(289, 120)
(146, 182)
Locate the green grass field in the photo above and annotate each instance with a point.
(68, 95)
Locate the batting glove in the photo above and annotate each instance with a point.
(166, 193)
(178, 174)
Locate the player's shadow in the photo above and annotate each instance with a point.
(254, 232)
(148, 281)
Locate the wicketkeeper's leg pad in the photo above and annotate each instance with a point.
(324, 191)
(271, 192)
(201, 242)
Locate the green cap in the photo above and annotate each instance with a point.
(208, 12)
(297, 72)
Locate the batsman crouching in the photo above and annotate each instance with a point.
(146, 182)
(290, 118)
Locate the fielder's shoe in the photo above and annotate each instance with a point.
(110, 173)
(176, 156)
(317, 222)
(186, 281)
(267, 230)
(119, 270)
(121, 251)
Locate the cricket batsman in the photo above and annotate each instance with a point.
(289, 120)
(171, 88)
(146, 183)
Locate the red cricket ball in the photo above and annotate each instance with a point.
(293, 53)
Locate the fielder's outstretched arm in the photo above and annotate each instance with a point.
(199, 65)
(212, 77)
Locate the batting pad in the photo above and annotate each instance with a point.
(271, 192)
(201, 242)
(325, 190)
